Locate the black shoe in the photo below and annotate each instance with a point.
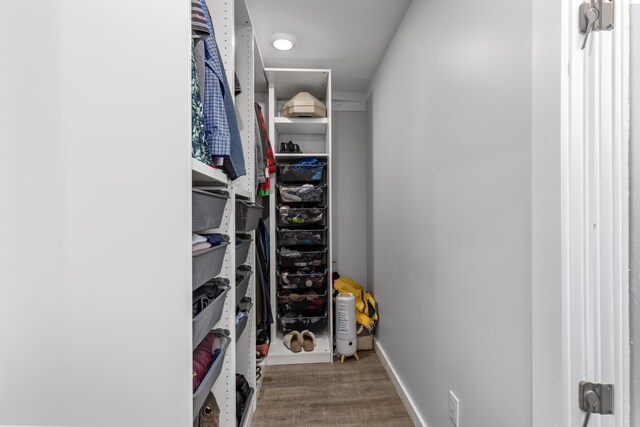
(283, 147)
(296, 148)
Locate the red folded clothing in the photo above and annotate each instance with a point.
(202, 359)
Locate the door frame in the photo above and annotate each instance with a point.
(595, 215)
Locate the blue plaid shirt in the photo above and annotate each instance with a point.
(215, 117)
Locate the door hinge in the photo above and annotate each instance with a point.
(596, 398)
(595, 15)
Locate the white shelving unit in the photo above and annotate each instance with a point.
(314, 137)
(298, 126)
(240, 55)
(204, 173)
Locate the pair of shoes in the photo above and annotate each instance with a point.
(289, 147)
(296, 341)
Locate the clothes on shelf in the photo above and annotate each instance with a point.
(305, 170)
(307, 193)
(306, 303)
(204, 296)
(294, 258)
(301, 237)
(200, 246)
(300, 216)
(203, 357)
(302, 278)
(201, 242)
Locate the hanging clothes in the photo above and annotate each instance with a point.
(263, 275)
(270, 167)
(221, 124)
(261, 164)
(199, 148)
(199, 31)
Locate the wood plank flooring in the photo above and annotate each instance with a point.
(319, 395)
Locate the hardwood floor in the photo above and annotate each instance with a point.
(353, 394)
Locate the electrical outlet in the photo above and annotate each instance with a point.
(454, 409)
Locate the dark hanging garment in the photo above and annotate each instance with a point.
(263, 275)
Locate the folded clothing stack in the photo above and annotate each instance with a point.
(203, 357)
(303, 193)
(206, 241)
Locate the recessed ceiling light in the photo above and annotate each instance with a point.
(283, 42)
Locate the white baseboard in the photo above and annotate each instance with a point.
(417, 419)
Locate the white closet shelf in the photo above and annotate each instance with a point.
(299, 155)
(301, 125)
(204, 173)
(281, 355)
(241, 192)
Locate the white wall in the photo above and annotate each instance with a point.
(635, 216)
(94, 213)
(349, 195)
(451, 158)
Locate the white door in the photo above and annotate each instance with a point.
(595, 214)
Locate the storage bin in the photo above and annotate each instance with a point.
(305, 193)
(247, 406)
(200, 395)
(292, 322)
(302, 237)
(294, 280)
(207, 209)
(207, 264)
(247, 215)
(300, 217)
(307, 170)
(310, 303)
(204, 321)
(243, 274)
(294, 258)
(243, 323)
(243, 243)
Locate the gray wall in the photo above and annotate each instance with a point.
(349, 195)
(450, 141)
(635, 215)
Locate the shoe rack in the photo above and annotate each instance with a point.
(313, 138)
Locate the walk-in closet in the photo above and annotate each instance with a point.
(296, 213)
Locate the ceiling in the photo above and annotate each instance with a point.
(347, 36)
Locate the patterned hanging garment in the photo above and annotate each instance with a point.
(199, 147)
